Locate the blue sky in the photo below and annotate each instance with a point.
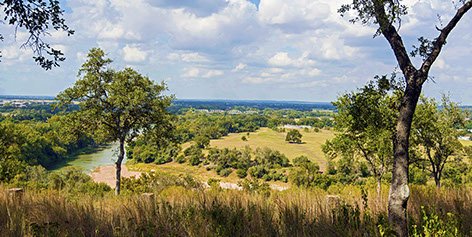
(239, 49)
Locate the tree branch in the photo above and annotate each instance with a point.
(395, 41)
(441, 39)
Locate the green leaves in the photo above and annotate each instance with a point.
(37, 17)
(116, 104)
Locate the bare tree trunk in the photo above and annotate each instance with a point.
(437, 180)
(399, 190)
(121, 155)
(379, 187)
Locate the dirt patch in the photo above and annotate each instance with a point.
(106, 174)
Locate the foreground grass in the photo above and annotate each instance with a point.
(176, 211)
(265, 137)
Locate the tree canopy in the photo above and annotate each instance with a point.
(116, 105)
(365, 122)
(436, 132)
(293, 136)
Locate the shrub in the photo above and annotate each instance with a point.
(432, 225)
(180, 159)
(225, 172)
(242, 173)
(294, 136)
(156, 182)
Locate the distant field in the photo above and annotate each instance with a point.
(266, 137)
(466, 143)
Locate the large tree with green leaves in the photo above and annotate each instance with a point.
(436, 132)
(37, 17)
(387, 15)
(116, 105)
(365, 126)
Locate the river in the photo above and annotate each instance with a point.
(102, 156)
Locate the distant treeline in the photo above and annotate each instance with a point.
(248, 104)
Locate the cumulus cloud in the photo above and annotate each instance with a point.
(294, 16)
(263, 44)
(282, 59)
(194, 72)
(133, 54)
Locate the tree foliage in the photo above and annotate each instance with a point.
(116, 105)
(437, 133)
(293, 136)
(365, 122)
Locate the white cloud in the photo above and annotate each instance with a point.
(213, 73)
(188, 57)
(194, 72)
(133, 54)
(191, 72)
(282, 59)
(239, 67)
(284, 44)
(294, 16)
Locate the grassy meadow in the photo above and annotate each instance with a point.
(265, 137)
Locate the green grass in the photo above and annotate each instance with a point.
(265, 137)
(466, 143)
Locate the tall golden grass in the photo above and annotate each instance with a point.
(176, 211)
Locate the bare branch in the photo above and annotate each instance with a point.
(440, 41)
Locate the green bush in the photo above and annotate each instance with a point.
(180, 159)
(155, 182)
(225, 172)
(242, 173)
(432, 225)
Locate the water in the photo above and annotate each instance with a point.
(103, 156)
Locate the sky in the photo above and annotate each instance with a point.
(299, 50)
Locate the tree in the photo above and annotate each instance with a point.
(365, 124)
(116, 105)
(386, 14)
(437, 133)
(293, 136)
(37, 17)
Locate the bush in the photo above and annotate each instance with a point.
(194, 155)
(294, 136)
(180, 159)
(155, 182)
(270, 158)
(225, 172)
(432, 225)
(255, 186)
(257, 171)
(242, 173)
